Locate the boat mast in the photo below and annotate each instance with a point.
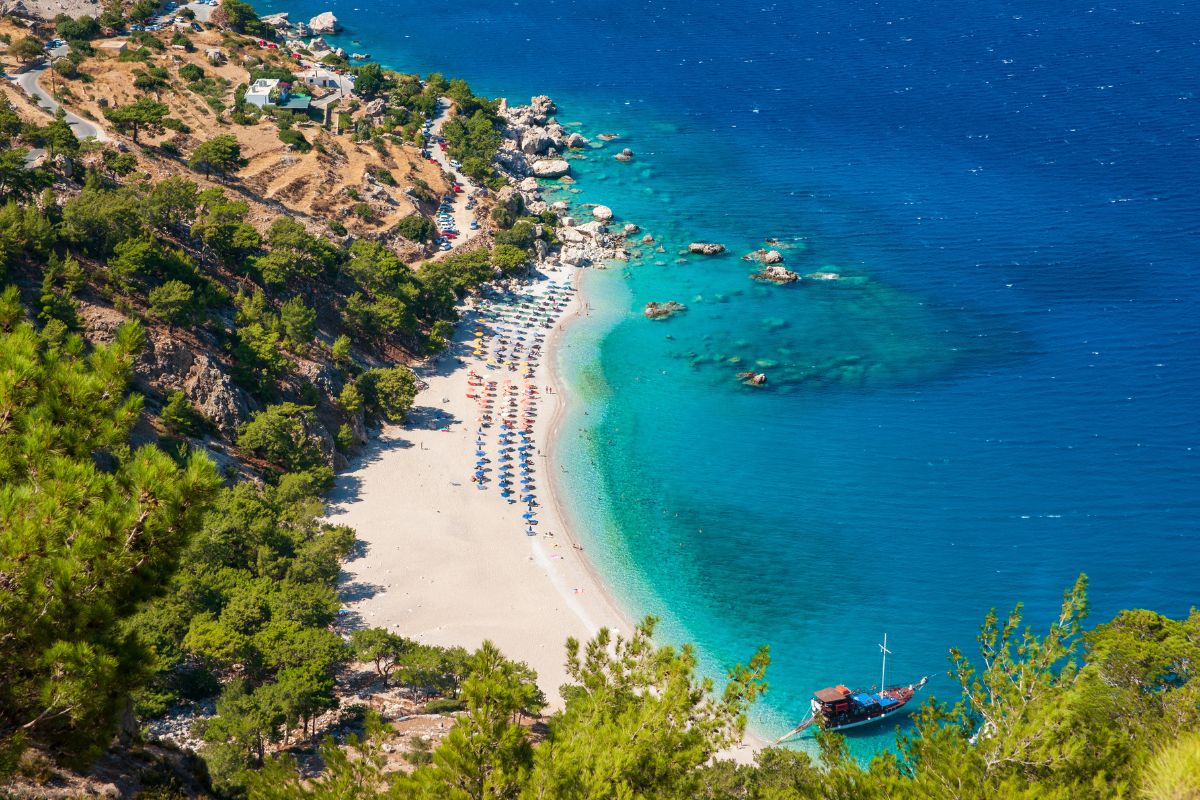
(883, 672)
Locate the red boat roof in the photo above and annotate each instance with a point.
(832, 694)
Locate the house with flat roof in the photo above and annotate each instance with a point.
(273, 92)
(259, 93)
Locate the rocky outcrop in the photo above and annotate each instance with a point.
(752, 378)
(100, 323)
(551, 168)
(325, 22)
(776, 274)
(279, 20)
(663, 310)
(624, 155)
(576, 140)
(602, 213)
(375, 108)
(706, 248)
(169, 364)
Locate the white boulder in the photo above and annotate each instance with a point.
(325, 22)
(551, 168)
(602, 213)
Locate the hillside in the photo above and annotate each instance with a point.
(206, 310)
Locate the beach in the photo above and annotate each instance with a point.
(447, 563)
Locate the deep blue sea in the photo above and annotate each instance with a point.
(1002, 391)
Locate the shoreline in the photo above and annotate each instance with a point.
(442, 561)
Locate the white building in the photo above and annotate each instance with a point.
(259, 93)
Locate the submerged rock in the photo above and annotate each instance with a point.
(752, 378)
(663, 310)
(776, 274)
(823, 276)
(608, 137)
(706, 248)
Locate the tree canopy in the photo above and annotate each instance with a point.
(91, 527)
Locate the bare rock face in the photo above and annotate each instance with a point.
(551, 168)
(538, 141)
(602, 213)
(773, 257)
(14, 8)
(576, 140)
(375, 108)
(663, 310)
(776, 274)
(325, 22)
(706, 248)
(543, 106)
(100, 323)
(168, 364)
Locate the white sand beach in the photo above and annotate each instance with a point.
(446, 562)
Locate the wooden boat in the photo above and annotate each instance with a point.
(838, 708)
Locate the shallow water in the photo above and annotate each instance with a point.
(1004, 395)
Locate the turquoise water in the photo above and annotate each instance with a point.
(1001, 394)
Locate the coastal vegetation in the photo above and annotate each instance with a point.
(183, 365)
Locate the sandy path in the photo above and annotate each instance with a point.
(448, 563)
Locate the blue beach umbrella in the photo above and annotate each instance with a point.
(480, 474)
(528, 515)
(506, 493)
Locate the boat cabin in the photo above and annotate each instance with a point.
(834, 700)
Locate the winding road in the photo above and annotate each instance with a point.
(28, 81)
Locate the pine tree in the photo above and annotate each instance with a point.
(91, 529)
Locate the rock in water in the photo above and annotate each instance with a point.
(663, 310)
(776, 274)
(624, 155)
(325, 22)
(602, 213)
(773, 257)
(706, 248)
(551, 168)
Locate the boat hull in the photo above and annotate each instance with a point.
(833, 725)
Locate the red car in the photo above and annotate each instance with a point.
(432, 160)
(442, 145)
(450, 235)
(458, 190)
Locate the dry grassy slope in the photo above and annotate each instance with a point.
(278, 179)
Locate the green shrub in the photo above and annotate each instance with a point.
(173, 301)
(444, 705)
(181, 417)
(283, 434)
(416, 228)
(389, 392)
